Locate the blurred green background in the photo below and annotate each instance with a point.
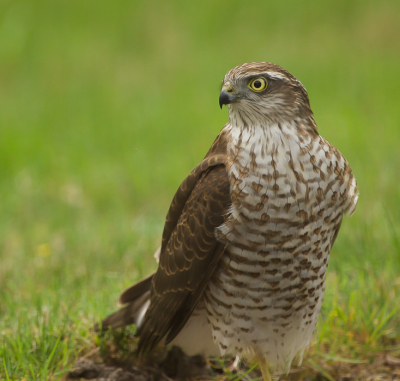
(105, 107)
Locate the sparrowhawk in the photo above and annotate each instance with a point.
(247, 237)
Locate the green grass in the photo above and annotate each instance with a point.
(105, 107)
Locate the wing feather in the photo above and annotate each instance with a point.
(189, 256)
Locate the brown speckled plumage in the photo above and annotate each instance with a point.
(246, 241)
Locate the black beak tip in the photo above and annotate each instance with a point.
(224, 98)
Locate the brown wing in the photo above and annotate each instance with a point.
(190, 251)
(135, 291)
(216, 155)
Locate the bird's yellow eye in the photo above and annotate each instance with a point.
(258, 84)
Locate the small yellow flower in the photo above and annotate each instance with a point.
(333, 313)
(43, 250)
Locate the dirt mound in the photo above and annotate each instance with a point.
(175, 365)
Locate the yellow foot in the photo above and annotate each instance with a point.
(264, 368)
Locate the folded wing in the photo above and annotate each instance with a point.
(189, 255)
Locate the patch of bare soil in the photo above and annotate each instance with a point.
(165, 366)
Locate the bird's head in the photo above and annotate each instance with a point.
(259, 92)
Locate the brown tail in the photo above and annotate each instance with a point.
(137, 298)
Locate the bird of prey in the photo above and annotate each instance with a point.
(246, 241)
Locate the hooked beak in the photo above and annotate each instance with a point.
(226, 97)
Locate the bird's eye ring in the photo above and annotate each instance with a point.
(258, 84)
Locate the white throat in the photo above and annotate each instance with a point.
(261, 141)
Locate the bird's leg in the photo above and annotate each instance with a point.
(234, 367)
(262, 363)
(235, 364)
